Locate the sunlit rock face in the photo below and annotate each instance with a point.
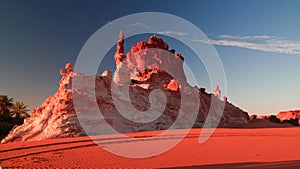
(289, 115)
(146, 58)
(149, 66)
(56, 117)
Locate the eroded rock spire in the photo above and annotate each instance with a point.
(119, 55)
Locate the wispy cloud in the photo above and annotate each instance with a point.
(262, 43)
(112, 23)
(180, 34)
(245, 37)
(138, 24)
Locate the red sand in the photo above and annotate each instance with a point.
(227, 148)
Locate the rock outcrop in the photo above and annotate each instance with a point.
(56, 117)
(148, 66)
(292, 115)
(282, 118)
(217, 92)
(146, 58)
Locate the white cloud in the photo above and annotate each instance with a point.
(181, 34)
(138, 24)
(262, 43)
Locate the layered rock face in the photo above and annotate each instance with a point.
(147, 67)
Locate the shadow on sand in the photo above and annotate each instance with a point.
(249, 165)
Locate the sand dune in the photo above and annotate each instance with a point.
(227, 148)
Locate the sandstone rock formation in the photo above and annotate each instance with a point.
(148, 66)
(217, 92)
(54, 118)
(146, 58)
(292, 115)
(173, 85)
(285, 119)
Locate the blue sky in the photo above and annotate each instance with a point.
(258, 42)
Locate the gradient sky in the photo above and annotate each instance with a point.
(258, 42)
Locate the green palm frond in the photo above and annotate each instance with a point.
(5, 104)
(19, 110)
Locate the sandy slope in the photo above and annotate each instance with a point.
(227, 148)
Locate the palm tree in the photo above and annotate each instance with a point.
(19, 110)
(5, 104)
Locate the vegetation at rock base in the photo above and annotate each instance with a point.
(11, 114)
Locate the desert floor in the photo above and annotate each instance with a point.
(227, 148)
